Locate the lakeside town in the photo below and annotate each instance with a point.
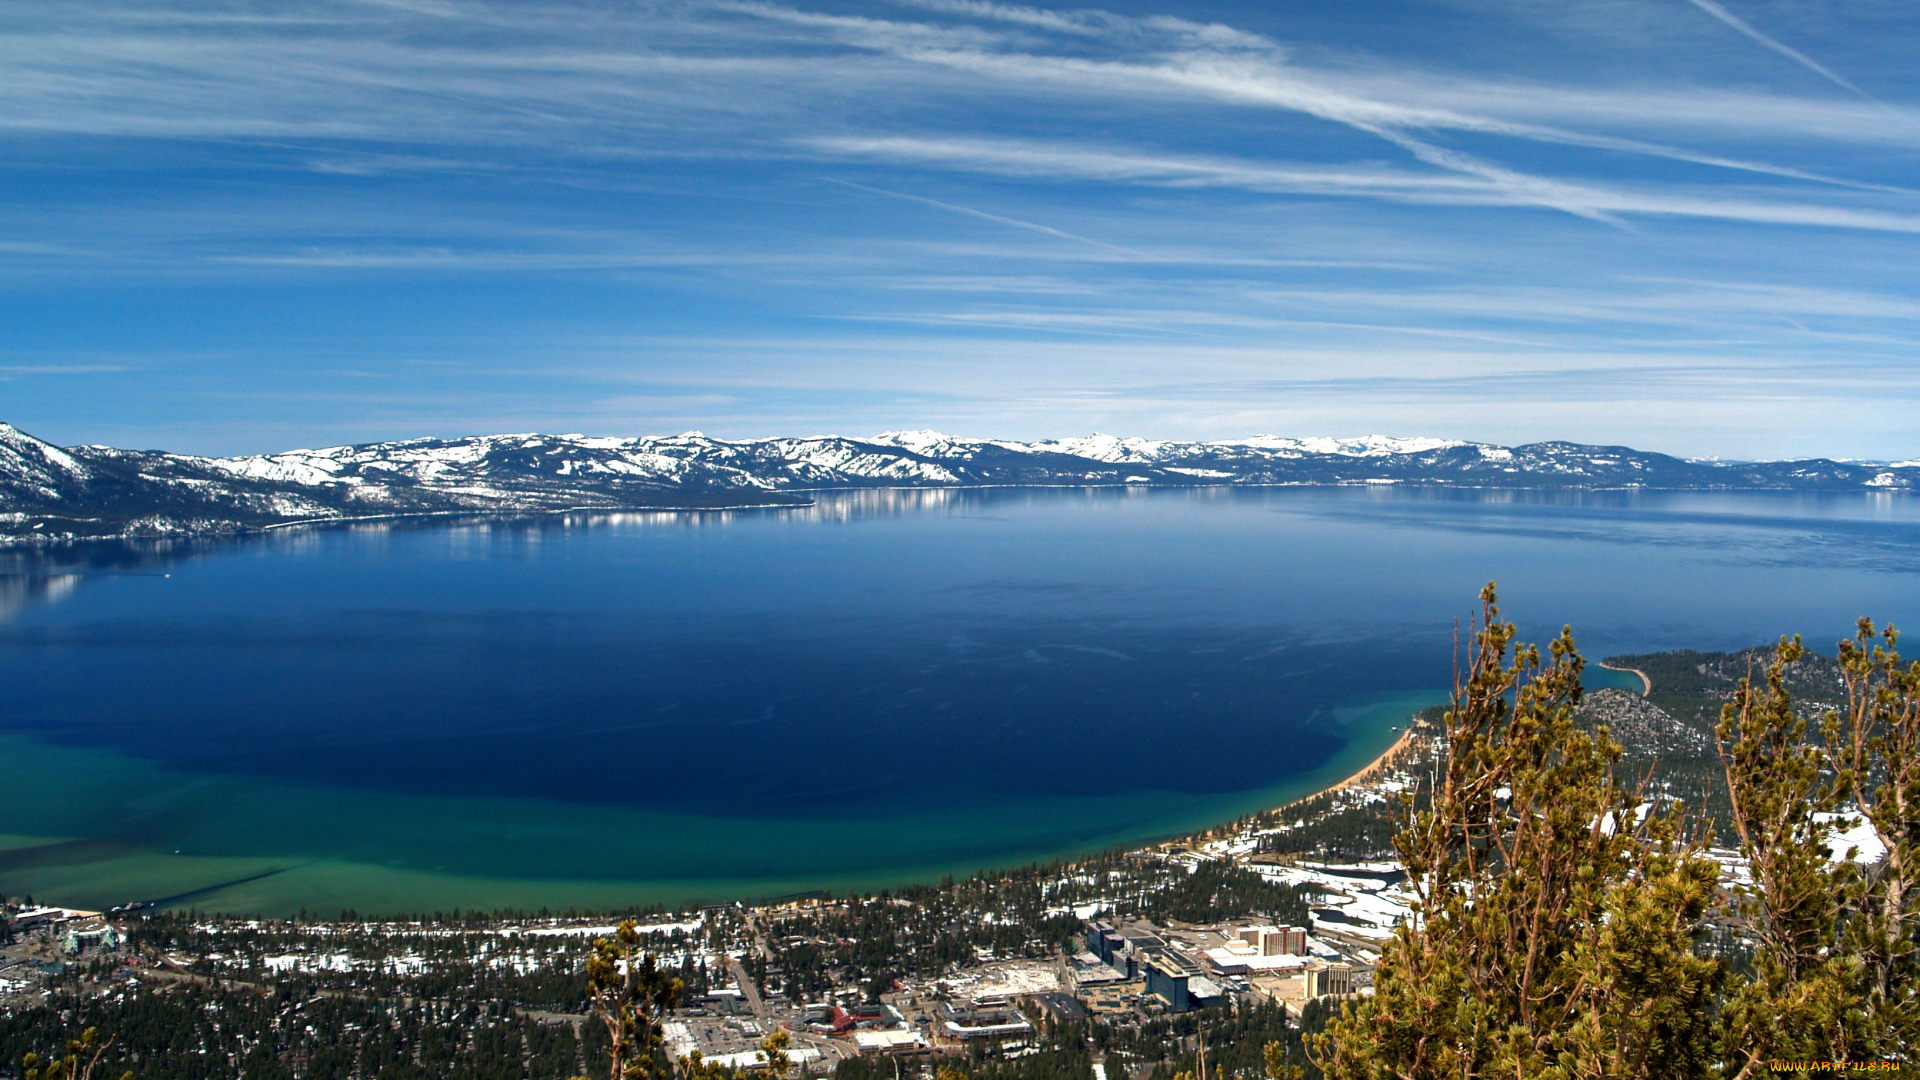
(1132, 952)
(752, 970)
(1132, 964)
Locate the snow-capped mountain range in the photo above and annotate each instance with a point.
(48, 491)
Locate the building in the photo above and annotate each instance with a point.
(1309, 979)
(1169, 984)
(79, 939)
(1123, 947)
(1333, 980)
(38, 918)
(978, 1023)
(1103, 941)
(1254, 950)
(825, 1019)
(1087, 969)
(872, 1014)
(890, 1041)
(1179, 982)
(753, 1060)
(1248, 962)
(1061, 1008)
(1276, 940)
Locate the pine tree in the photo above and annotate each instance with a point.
(1838, 942)
(82, 1057)
(631, 995)
(1556, 907)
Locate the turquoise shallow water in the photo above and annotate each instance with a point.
(602, 711)
(287, 845)
(248, 844)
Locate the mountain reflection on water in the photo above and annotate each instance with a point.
(995, 673)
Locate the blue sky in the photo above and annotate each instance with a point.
(1685, 225)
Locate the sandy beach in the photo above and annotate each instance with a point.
(1377, 765)
(1646, 684)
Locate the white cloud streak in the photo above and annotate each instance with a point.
(998, 219)
(1468, 183)
(1072, 202)
(12, 371)
(1261, 80)
(1747, 30)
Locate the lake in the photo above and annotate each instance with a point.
(610, 709)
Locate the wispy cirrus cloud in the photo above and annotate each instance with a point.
(1003, 201)
(998, 219)
(1464, 183)
(1254, 72)
(13, 371)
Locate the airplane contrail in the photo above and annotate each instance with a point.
(971, 212)
(1712, 8)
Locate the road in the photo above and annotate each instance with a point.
(747, 989)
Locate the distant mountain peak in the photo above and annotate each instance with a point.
(30, 461)
(1354, 446)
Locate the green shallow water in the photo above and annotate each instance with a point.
(95, 829)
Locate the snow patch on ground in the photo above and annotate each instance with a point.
(1361, 446)
(1852, 833)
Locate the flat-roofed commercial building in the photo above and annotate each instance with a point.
(1179, 982)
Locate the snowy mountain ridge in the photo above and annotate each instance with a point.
(85, 491)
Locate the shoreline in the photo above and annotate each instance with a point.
(234, 529)
(228, 873)
(1378, 764)
(722, 892)
(1646, 683)
(1405, 741)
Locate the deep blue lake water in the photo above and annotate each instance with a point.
(891, 685)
